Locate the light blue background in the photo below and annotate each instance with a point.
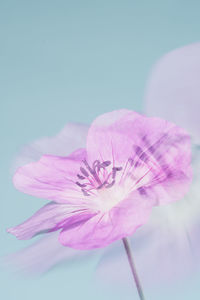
(66, 61)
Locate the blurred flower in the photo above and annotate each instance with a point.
(173, 92)
(71, 137)
(173, 89)
(105, 191)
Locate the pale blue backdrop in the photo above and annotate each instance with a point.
(66, 61)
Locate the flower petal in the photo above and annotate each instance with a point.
(105, 228)
(42, 255)
(52, 177)
(173, 89)
(71, 137)
(50, 217)
(162, 147)
(108, 137)
(171, 234)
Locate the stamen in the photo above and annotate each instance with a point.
(105, 164)
(96, 165)
(102, 178)
(84, 172)
(93, 172)
(114, 171)
(80, 177)
(81, 185)
(88, 166)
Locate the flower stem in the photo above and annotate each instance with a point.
(133, 269)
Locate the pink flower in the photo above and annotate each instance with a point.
(105, 191)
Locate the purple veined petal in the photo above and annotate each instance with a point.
(173, 89)
(104, 228)
(52, 177)
(71, 137)
(171, 235)
(51, 217)
(174, 188)
(161, 146)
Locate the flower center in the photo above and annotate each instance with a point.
(101, 175)
(107, 184)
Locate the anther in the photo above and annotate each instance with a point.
(87, 166)
(114, 171)
(81, 185)
(80, 177)
(96, 165)
(93, 172)
(105, 163)
(84, 172)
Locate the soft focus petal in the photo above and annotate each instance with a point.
(71, 137)
(104, 228)
(52, 178)
(173, 90)
(42, 255)
(160, 146)
(50, 217)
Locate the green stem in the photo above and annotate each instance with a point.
(133, 269)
